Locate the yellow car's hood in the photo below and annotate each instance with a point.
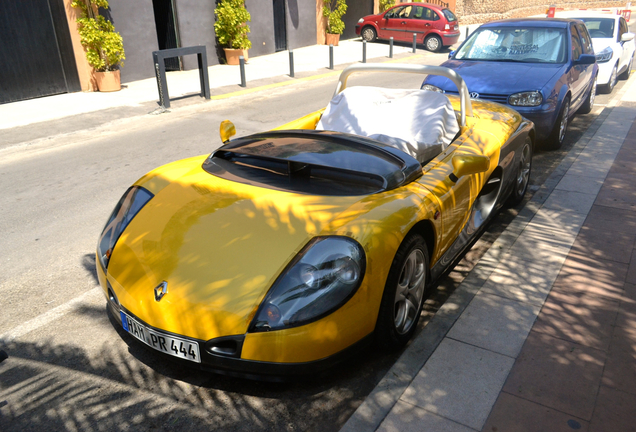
(218, 244)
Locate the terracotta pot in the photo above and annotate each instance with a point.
(332, 39)
(232, 55)
(108, 81)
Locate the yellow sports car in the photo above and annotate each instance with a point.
(282, 252)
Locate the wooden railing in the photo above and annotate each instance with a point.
(438, 3)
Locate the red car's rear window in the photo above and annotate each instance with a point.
(449, 15)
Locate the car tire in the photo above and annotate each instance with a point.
(404, 294)
(522, 175)
(433, 43)
(557, 136)
(625, 75)
(589, 101)
(612, 81)
(368, 34)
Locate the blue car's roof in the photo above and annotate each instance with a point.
(530, 22)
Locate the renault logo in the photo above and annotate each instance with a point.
(474, 95)
(161, 290)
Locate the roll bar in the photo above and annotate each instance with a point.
(466, 108)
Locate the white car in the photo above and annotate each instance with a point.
(613, 45)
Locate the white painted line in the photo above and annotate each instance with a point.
(47, 317)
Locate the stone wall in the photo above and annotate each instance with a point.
(481, 11)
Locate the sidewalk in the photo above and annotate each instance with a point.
(541, 336)
(311, 60)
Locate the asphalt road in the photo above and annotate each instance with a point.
(70, 366)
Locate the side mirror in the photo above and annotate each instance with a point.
(451, 54)
(627, 37)
(586, 59)
(468, 164)
(227, 130)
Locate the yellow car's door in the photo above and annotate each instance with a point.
(455, 197)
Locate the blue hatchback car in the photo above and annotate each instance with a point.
(543, 68)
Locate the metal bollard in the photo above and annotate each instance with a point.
(242, 66)
(364, 51)
(331, 57)
(466, 32)
(414, 42)
(291, 63)
(391, 47)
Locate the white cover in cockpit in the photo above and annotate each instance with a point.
(419, 122)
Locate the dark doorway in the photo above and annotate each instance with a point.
(280, 26)
(36, 53)
(167, 30)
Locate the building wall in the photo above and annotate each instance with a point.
(196, 27)
(301, 22)
(261, 27)
(135, 21)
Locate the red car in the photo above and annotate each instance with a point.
(435, 26)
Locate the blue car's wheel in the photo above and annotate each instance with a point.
(403, 294)
(522, 178)
(557, 136)
(589, 101)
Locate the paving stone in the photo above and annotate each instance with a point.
(583, 184)
(606, 245)
(590, 169)
(615, 411)
(618, 191)
(620, 367)
(579, 317)
(585, 273)
(612, 219)
(558, 374)
(405, 417)
(521, 280)
(562, 223)
(494, 323)
(512, 413)
(460, 382)
(571, 201)
(540, 247)
(631, 272)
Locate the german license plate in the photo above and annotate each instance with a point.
(174, 346)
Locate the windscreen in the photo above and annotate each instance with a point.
(526, 45)
(600, 28)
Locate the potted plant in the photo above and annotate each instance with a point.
(333, 10)
(104, 46)
(231, 29)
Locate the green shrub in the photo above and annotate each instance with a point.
(231, 25)
(104, 46)
(333, 10)
(385, 4)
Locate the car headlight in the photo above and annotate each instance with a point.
(128, 206)
(324, 275)
(605, 55)
(531, 98)
(361, 20)
(432, 88)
